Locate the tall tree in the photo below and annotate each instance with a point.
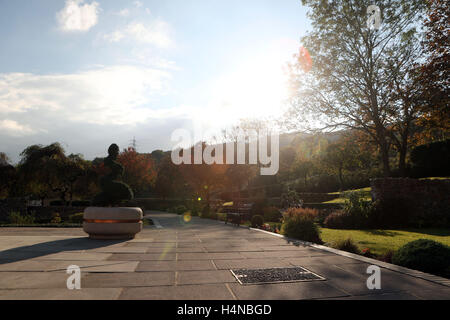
(356, 69)
(139, 170)
(434, 73)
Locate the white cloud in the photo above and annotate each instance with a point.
(124, 13)
(115, 36)
(138, 4)
(122, 95)
(14, 129)
(156, 33)
(78, 16)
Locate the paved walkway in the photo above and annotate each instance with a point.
(184, 260)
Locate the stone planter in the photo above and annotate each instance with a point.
(112, 223)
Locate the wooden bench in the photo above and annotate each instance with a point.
(237, 213)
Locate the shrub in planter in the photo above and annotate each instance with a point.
(272, 214)
(424, 255)
(300, 227)
(257, 221)
(347, 245)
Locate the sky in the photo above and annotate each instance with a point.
(90, 73)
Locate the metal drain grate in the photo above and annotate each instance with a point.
(275, 275)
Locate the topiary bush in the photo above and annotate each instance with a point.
(424, 255)
(56, 218)
(347, 245)
(300, 227)
(257, 221)
(272, 214)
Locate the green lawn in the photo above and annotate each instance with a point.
(381, 241)
(365, 191)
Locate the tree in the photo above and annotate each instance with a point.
(169, 179)
(139, 170)
(8, 176)
(357, 80)
(434, 73)
(40, 169)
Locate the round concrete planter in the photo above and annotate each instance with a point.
(112, 223)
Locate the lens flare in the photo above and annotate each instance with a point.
(187, 217)
(304, 59)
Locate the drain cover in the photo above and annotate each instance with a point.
(274, 275)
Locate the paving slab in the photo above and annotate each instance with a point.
(186, 265)
(187, 292)
(190, 261)
(125, 280)
(61, 294)
(205, 277)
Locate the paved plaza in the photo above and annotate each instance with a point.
(190, 260)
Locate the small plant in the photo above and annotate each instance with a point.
(300, 227)
(257, 221)
(424, 255)
(15, 217)
(291, 199)
(56, 218)
(347, 245)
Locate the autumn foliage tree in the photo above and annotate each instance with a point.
(434, 75)
(139, 170)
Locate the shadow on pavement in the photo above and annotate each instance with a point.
(52, 247)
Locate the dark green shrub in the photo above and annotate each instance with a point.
(76, 218)
(424, 255)
(291, 199)
(300, 227)
(17, 218)
(347, 245)
(272, 214)
(257, 221)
